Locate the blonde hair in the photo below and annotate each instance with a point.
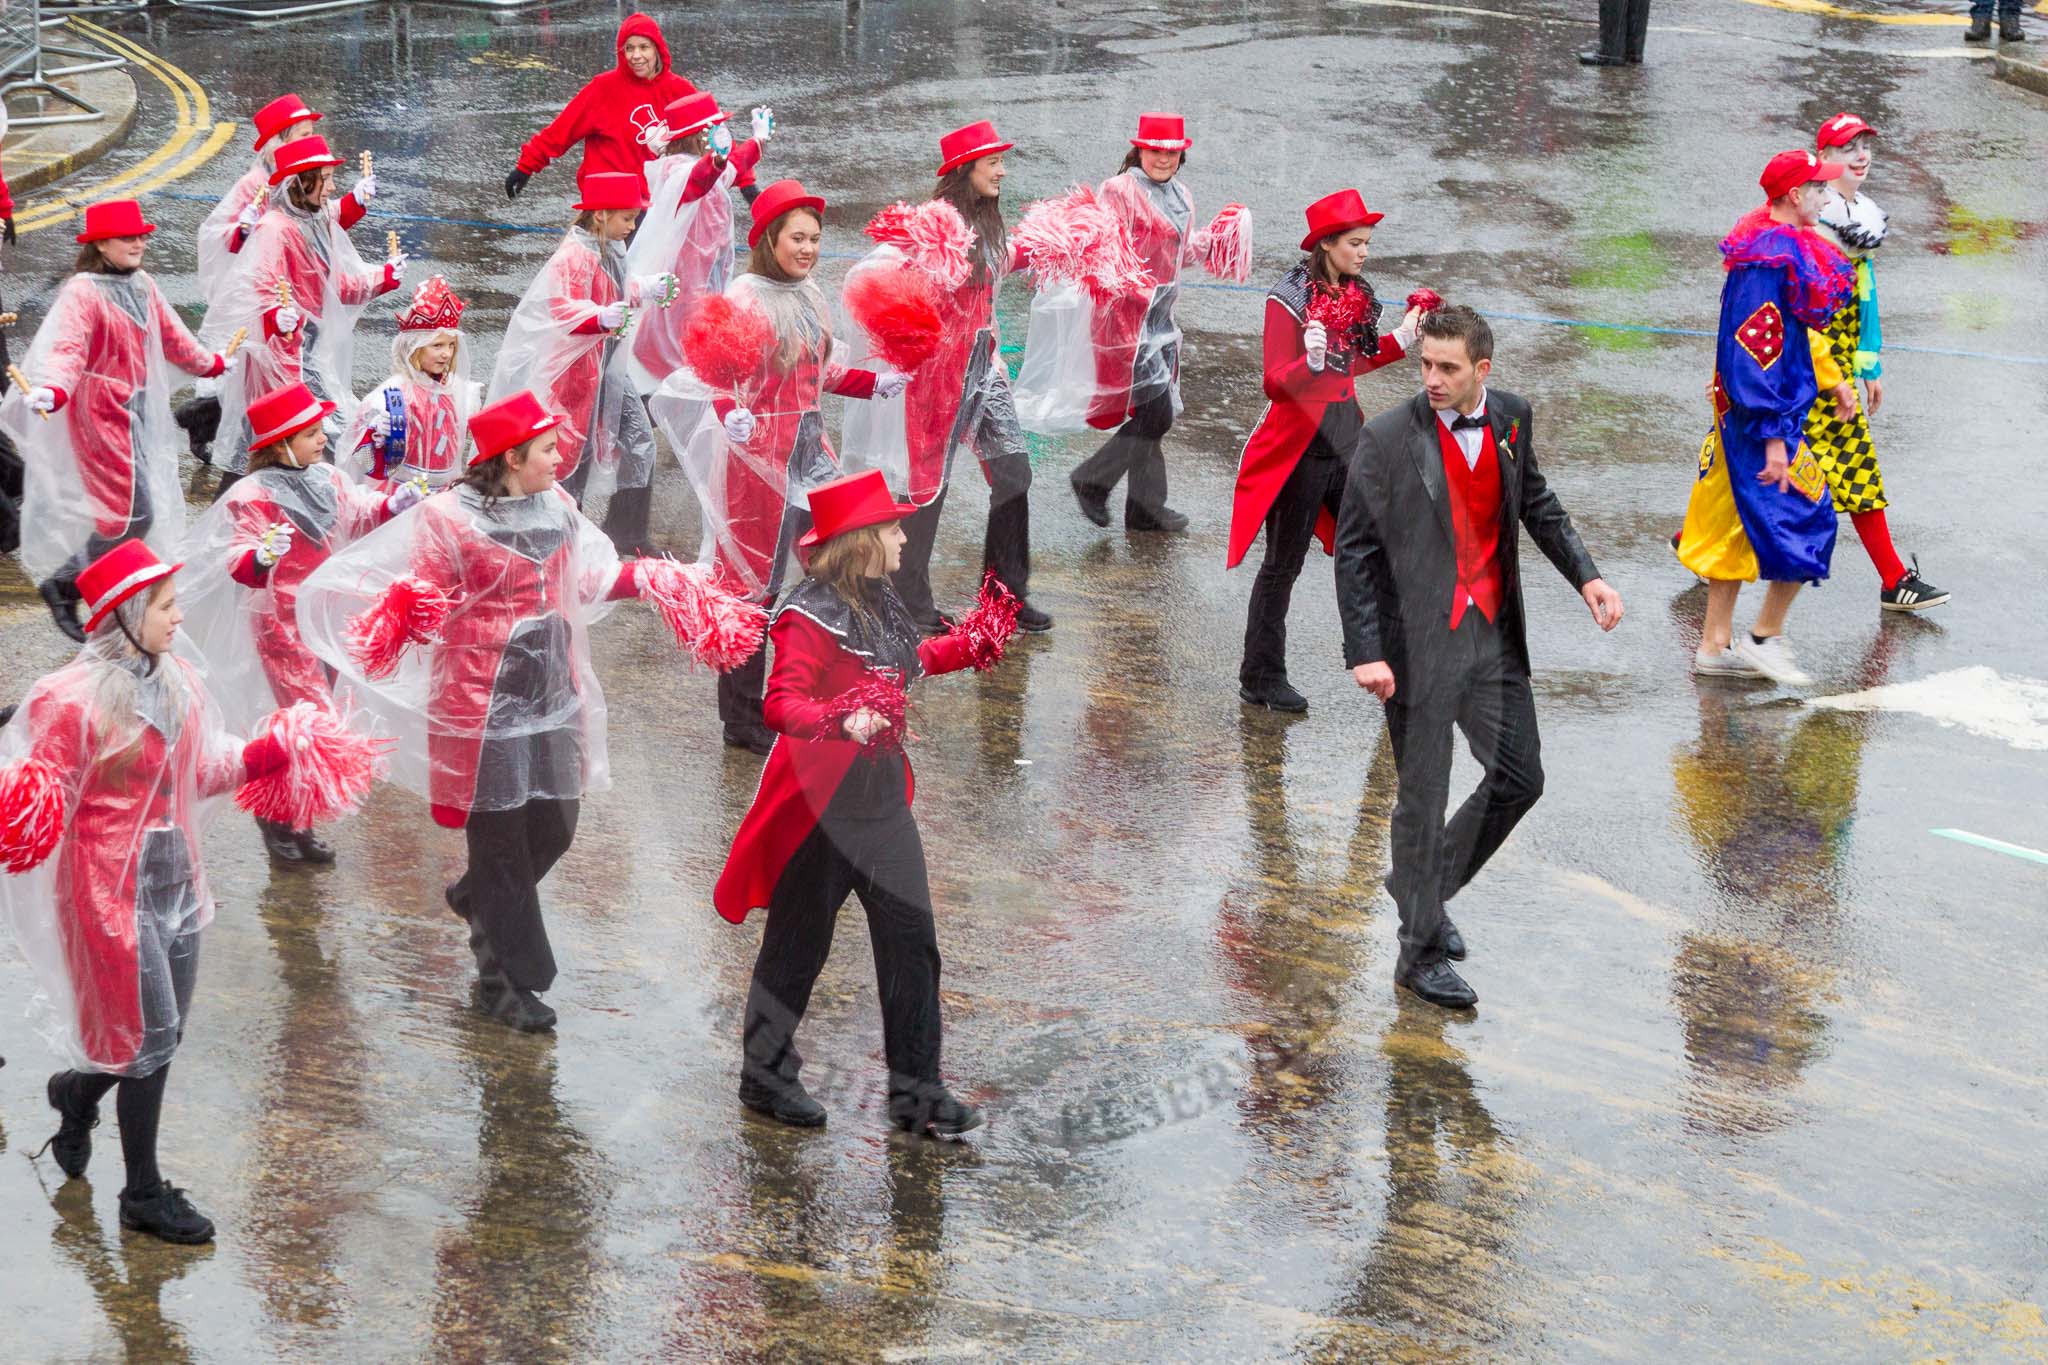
(843, 562)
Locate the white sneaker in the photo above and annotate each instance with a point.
(1773, 659)
(1725, 663)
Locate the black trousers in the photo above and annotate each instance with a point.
(1623, 26)
(1469, 683)
(510, 851)
(1138, 450)
(1316, 484)
(139, 1101)
(1006, 545)
(866, 844)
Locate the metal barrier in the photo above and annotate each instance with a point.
(22, 68)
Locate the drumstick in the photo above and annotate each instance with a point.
(235, 343)
(366, 163)
(21, 382)
(284, 293)
(390, 242)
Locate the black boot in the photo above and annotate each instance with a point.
(1980, 29)
(1094, 501)
(163, 1212)
(1161, 518)
(200, 418)
(930, 1110)
(516, 1006)
(312, 848)
(787, 1102)
(281, 842)
(62, 600)
(2009, 30)
(71, 1144)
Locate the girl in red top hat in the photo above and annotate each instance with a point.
(564, 345)
(298, 292)
(106, 468)
(1322, 331)
(110, 771)
(415, 424)
(751, 438)
(687, 229)
(250, 555)
(614, 115)
(832, 815)
(961, 395)
(463, 628)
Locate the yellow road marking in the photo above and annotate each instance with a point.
(1825, 10)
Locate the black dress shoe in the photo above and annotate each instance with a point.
(1138, 518)
(312, 848)
(515, 1005)
(71, 1144)
(1980, 30)
(1439, 985)
(63, 607)
(165, 1213)
(756, 739)
(1031, 620)
(1601, 59)
(933, 1112)
(1094, 501)
(790, 1104)
(1274, 697)
(1451, 941)
(281, 841)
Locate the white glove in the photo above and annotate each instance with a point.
(739, 426)
(611, 316)
(274, 544)
(288, 320)
(380, 422)
(720, 138)
(1317, 342)
(251, 214)
(43, 399)
(656, 287)
(397, 265)
(228, 364)
(655, 137)
(406, 494)
(365, 190)
(1404, 336)
(890, 383)
(763, 119)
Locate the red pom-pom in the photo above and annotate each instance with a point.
(1073, 237)
(988, 628)
(329, 768)
(1225, 246)
(932, 234)
(411, 612)
(1428, 300)
(725, 342)
(881, 694)
(899, 311)
(1339, 312)
(722, 630)
(31, 813)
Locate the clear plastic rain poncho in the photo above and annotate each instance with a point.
(216, 239)
(755, 496)
(104, 467)
(688, 238)
(505, 707)
(241, 617)
(554, 349)
(110, 920)
(307, 250)
(428, 418)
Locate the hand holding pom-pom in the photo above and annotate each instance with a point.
(722, 630)
(988, 628)
(1428, 300)
(31, 814)
(872, 713)
(726, 341)
(306, 766)
(898, 309)
(411, 612)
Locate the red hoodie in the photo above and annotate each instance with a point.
(607, 115)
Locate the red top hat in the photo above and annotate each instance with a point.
(118, 575)
(434, 308)
(1335, 213)
(692, 114)
(115, 218)
(1789, 170)
(611, 190)
(963, 145)
(1840, 130)
(1162, 132)
(278, 115)
(302, 154)
(850, 503)
(510, 422)
(284, 413)
(778, 199)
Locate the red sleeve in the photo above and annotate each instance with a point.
(703, 176)
(944, 654)
(569, 127)
(352, 211)
(804, 654)
(745, 157)
(850, 383)
(6, 200)
(251, 521)
(589, 327)
(58, 398)
(246, 571)
(626, 584)
(1286, 359)
(1390, 351)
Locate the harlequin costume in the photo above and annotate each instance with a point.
(414, 425)
(557, 347)
(609, 116)
(1780, 277)
(104, 467)
(833, 816)
(1290, 475)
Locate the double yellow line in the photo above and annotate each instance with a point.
(177, 158)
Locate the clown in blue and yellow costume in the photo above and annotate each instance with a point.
(1760, 506)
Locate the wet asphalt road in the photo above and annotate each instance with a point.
(1757, 1069)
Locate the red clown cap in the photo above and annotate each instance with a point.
(434, 308)
(850, 503)
(302, 154)
(1841, 130)
(1335, 213)
(283, 413)
(510, 422)
(778, 199)
(963, 145)
(278, 115)
(114, 218)
(118, 575)
(1162, 132)
(692, 114)
(1789, 170)
(604, 190)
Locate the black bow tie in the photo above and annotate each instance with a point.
(1467, 423)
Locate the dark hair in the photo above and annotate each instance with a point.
(1456, 322)
(984, 213)
(1131, 158)
(490, 477)
(761, 255)
(264, 457)
(91, 260)
(301, 186)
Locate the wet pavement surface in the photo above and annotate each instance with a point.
(1756, 1072)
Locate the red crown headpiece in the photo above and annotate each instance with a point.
(434, 308)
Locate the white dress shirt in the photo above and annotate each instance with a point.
(1471, 440)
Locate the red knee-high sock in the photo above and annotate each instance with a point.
(1877, 543)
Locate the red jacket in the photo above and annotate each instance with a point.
(608, 114)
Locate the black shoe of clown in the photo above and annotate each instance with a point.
(165, 1213)
(1912, 593)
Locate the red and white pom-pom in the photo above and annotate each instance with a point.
(411, 612)
(1428, 300)
(988, 628)
(328, 769)
(891, 226)
(31, 813)
(881, 694)
(721, 629)
(932, 234)
(725, 342)
(1225, 246)
(1073, 237)
(899, 311)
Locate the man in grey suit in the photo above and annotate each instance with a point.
(1430, 591)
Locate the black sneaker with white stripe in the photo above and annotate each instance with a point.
(1912, 593)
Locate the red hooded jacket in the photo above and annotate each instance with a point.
(607, 115)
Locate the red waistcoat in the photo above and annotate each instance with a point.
(1475, 520)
